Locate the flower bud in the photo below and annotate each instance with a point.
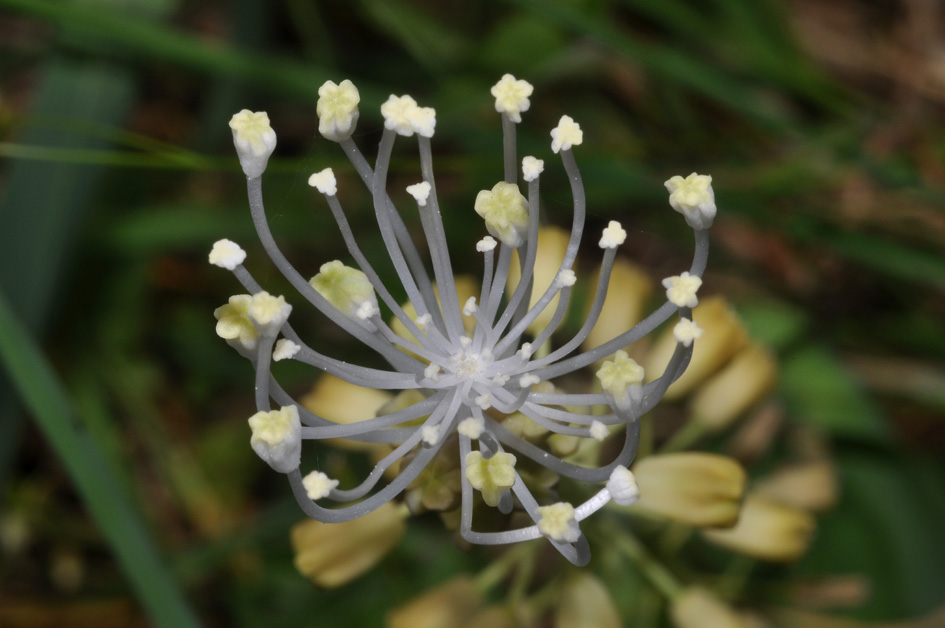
(724, 334)
(697, 608)
(332, 554)
(268, 313)
(694, 198)
(567, 134)
(492, 477)
(447, 606)
(697, 489)
(810, 486)
(552, 244)
(628, 291)
(347, 288)
(767, 530)
(505, 211)
(735, 388)
(277, 438)
(337, 110)
(233, 324)
(584, 602)
(254, 140)
(511, 96)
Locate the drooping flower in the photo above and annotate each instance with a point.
(474, 369)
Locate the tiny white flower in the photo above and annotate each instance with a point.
(525, 351)
(254, 140)
(470, 307)
(471, 427)
(324, 182)
(686, 331)
(557, 522)
(423, 321)
(268, 313)
(431, 434)
(337, 110)
(484, 401)
(465, 342)
(694, 198)
(528, 379)
(505, 211)
(397, 111)
(598, 430)
(681, 289)
(531, 168)
(367, 310)
(565, 278)
(488, 243)
(511, 96)
(568, 133)
(420, 191)
(227, 254)
(432, 372)
(277, 438)
(613, 236)
(622, 486)
(422, 120)
(318, 485)
(285, 349)
(501, 379)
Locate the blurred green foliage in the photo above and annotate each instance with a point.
(117, 177)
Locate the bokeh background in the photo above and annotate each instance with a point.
(128, 494)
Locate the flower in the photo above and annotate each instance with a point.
(696, 607)
(470, 365)
(337, 110)
(511, 96)
(767, 530)
(681, 290)
(227, 254)
(694, 198)
(254, 140)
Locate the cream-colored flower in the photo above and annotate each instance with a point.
(567, 134)
(552, 245)
(318, 485)
(347, 288)
(694, 198)
(698, 489)
(628, 293)
(420, 192)
(254, 140)
(227, 254)
(614, 235)
(511, 96)
(622, 379)
(491, 477)
(268, 313)
(337, 110)
(471, 427)
(285, 349)
(767, 530)
(505, 211)
(741, 383)
(449, 605)
(422, 120)
(584, 602)
(332, 554)
(277, 438)
(810, 486)
(532, 168)
(557, 522)
(324, 181)
(623, 487)
(233, 324)
(681, 289)
(397, 112)
(341, 402)
(686, 331)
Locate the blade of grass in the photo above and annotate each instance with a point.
(121, 525)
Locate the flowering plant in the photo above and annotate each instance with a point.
(473, 363)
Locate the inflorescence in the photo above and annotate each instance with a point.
(468, 376)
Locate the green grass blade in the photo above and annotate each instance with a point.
(121, 525)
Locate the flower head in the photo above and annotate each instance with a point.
(694, 198)
(254, 140)
(227, 254)
(511, 96)
(337, 110)
(474, 370)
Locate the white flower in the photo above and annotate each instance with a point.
(268, 313)
(613, 236)
(566, 278)
(568, 133)
(505, 211)
(528, 379)
(324, 182)
(420, 191)
(486, 244)
(694, 198)
(686, 331)
(285, 349)
(557, 522)
(471, 427)
(511, 96)
(430, 434)
(598, 430)
(484, 401)
(337, 110)
(277, 438)
(432, 372)
(254, 140)
(397, 112)
(622, 379)
(531, 168)
(422, 120)
(318, 485)
(227, 254)
(622, 486)
(681, 289)
(470, 307)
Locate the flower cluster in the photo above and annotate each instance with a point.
(469, 367)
